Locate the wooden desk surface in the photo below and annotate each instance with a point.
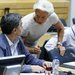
(32, 74)
(60, 69)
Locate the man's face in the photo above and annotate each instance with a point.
(40, 16)
(17, 31)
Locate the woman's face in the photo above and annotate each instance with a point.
(40, 16)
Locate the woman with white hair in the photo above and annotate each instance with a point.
(37, 23)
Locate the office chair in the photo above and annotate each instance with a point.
(44, 55)
(73, 20)
(53, 29)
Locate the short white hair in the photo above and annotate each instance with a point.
(44, 5)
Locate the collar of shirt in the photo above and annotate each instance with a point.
(11, 44)
(9, 41)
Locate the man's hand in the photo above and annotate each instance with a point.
(61, 49)
(38, 69)
(47, 64)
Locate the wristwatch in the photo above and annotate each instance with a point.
(59, 43)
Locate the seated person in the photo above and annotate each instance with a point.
(11, 44)
(68, 48)
(36, 24)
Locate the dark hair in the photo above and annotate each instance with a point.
(9, 22)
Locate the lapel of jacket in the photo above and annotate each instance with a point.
(8, 50)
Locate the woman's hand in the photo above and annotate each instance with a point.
(37, 50)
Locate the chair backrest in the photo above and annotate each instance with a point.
(12, 70)
(1, 70)
(53, 29)
(73, 20)
(44, 54)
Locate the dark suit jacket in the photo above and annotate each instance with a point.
(29, 59)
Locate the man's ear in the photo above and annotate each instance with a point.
(14, 30)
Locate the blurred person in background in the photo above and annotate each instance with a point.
(68, 44)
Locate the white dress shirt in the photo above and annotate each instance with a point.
(13, 46)
(68, 40)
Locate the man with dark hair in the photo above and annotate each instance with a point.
(11, 44)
